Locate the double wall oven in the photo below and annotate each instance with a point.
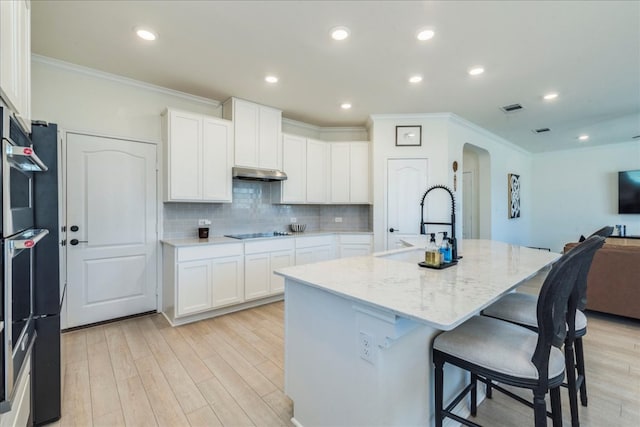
(19, 239)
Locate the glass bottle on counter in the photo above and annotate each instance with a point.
(445, 248)
(432, 255)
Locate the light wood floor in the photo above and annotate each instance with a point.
(229, 371)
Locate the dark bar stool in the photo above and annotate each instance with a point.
(520, 309)
(493, 350)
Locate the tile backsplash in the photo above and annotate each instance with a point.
(252, 211)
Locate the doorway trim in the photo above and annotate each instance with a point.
(63, 135)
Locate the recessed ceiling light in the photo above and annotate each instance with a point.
(474, 71)
(345, 105)
(583, 137)
(146, 34)
(271, 79)
(415, 79)
(425, 35)
(550, 96)
(339, 33)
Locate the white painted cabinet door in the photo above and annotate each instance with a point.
(111, 199)
(407, 182)
(257, 272)
(217, 159)
(314, 254)
(340, 172)
(317, 171)
(279, 259)
(9, 45)
(246, 118)
(228, 280)
(294, 162)
(349, 250)
(15, 58)
(359, 172)
(194, 287)
(269, 134)
(184, 148)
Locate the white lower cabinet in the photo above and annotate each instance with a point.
(194, 287)
(20, 411)
(354, 245)
(314, 249)
(215, 278)
(261, 258)
(201, 278)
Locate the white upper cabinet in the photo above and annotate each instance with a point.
(323, 172)
(317, 171)
(359, 175)
(340, 164)
(294, 162)
(15, 58)
(198, 157)
(349, 172)
(258, 131)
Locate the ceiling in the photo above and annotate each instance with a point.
(586, 51)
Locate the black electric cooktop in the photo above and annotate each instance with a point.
(258, 235)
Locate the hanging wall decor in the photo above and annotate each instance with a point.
(409, 136)
(514, 195)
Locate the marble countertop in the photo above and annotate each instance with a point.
(443, 299)
(218, 240)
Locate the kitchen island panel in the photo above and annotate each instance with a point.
(328, 378)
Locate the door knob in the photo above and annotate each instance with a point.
(74, 242)
(391, 230)
(74, 228)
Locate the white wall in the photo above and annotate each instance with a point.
(576, 192)
(78, 98)
(443, 138)
(434, 148)
(505, 158)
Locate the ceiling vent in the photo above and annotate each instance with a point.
(511, 108)
(541, 130)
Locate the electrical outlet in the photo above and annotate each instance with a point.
(338, 219)
(294, 220)
(366, 347)
(204, 222)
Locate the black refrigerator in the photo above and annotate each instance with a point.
(47, 295)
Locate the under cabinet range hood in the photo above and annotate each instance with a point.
(255, 174)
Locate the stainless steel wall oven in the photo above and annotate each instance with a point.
(19, 237)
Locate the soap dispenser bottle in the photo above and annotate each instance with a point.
(432, 256)
(445, 248)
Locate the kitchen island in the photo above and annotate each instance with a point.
(358, 331)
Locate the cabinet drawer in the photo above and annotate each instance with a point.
(307, 242)
(271, 245)
(355, 239)
(209, 251)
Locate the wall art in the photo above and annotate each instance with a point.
(514, 195)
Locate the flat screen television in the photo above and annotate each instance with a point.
(629, 192)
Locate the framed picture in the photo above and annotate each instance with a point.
(408, 136)
(514, 195)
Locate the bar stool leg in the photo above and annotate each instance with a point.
(439, 384)
(474, 394)
(556, 407)
(581, 371)
(570, 370)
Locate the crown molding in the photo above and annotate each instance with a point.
(79, 69)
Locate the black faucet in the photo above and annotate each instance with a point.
(423, 223)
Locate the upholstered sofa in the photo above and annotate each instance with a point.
(613, 283)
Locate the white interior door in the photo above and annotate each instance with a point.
(406, 183)
(468, 206)
(111, 205)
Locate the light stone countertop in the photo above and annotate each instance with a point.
(443, 299)
(219, 240)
